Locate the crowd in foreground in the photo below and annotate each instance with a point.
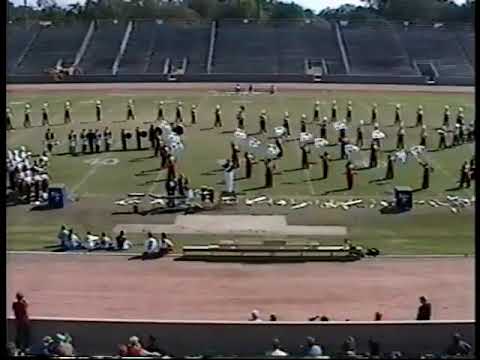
(62, 344)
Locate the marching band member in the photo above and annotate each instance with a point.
(305, 162)
(464, 176)
(323, 128)
(178, 113)
(107, 139)
(423, 136)
(303, 124)
(160, 113)
(62, 236)
(397, 114)
(419, 116)
(426, 175)
(193, 115)
(248, 166)
(91, 140)
(72, 139)
(325, 164)
(389, 174)
(374, 113)
(218, 117)
(105, 242)
(138, 137)
(286, 124)
(45, 120)
(446, 116)
(241, 118)
(130, 110)
(84, 140)
(359, 141)
(151, 136)
(334, 111)
(98, 140)
(263, 122)
(350, 173)
(349, 111)
(460, 116)
(401, 137)
(9, 119)
(268, 174)
(151, 245)
(90, 242)
(373, 155)
(66, 112)
(123, 138)
(27, 121)
(442, 143)
(98, 110)
(316, 111)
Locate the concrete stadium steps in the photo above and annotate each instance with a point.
(467, 40)
(246, 48)
(300, 41)
(135, 58)
(103, 48)
(439, 45)
(177, 41)
(53, 43)
(18, 38)
(372, 48)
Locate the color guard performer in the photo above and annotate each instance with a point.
(263, 122)
(286, 124)
(423, 136)
(130, 110)
(160, 112)
(241, 118)
(359, 141)
(334, 111)
(374, 113)
(67, 118)
(316, 111)
(349, 111)
(27, 120)
(45, 120)
(303, 124)
(218, 117)
(193, 115)
(9, 119)
(179, 113)
(98, 110)
(397, 115)
(419, 116)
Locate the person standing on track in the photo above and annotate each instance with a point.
(22, 322)
(179, 113)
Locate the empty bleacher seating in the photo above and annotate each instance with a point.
(177, 41)
(53, 42)
(440, 46)
(103, 48)
(373, 49)
(18, 38)
(135, 58)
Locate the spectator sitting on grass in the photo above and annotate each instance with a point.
(311, 349)
(105, 242)
(276, 349)
(165, 244)
(64, 345)
(122, 242)
(255, 316)
(72, 242)
(459, 346)
(90, 242)
(62, 236)
(151, 246)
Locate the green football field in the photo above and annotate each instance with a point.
(100, 179)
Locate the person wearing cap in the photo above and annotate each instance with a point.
(67, 112)
(84, 140)
(9, 119)
(359, 141)
(316, 111)
(130, 110)
(419, 116)
(193, 115)
(160, 113)
(22, 322)
(458, 346)
(303, 124)
(98, 110)
(26, 120)
(218, 117)
(45, 121)
(286, 124)
(423, 136)
(456, 136)
(374, 113)
(276, 350)
(397, 119)
(323, 128)
(263, 122)
(334, 111)
(446, 116)
(179, 113)
(312, 349)
(349, 111)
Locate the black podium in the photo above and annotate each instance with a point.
(403, 198)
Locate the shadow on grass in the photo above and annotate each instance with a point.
(336, 191)
(293, 170)
(141, 159)
(255, 188)
(207, 128)
(456, 188)
(227, 132)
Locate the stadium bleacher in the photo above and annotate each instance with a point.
(103, 48)
(53, 43)
(18, 38)
(437, 45)
(373, 48)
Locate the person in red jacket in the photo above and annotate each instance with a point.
(20, 309)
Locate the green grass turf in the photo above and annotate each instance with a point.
(430, 233)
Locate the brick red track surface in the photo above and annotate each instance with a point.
(111, 287)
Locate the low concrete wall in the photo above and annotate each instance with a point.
(248, 339)
(244, 78)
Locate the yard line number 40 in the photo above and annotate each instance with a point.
(100, 162)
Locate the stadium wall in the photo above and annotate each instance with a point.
(101, 337)
(244, 78)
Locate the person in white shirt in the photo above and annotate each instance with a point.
(90, 242)
(276, 350)
(105, 242)
(72, 242)
(165, 244)
(62, 236)
(151, 246)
